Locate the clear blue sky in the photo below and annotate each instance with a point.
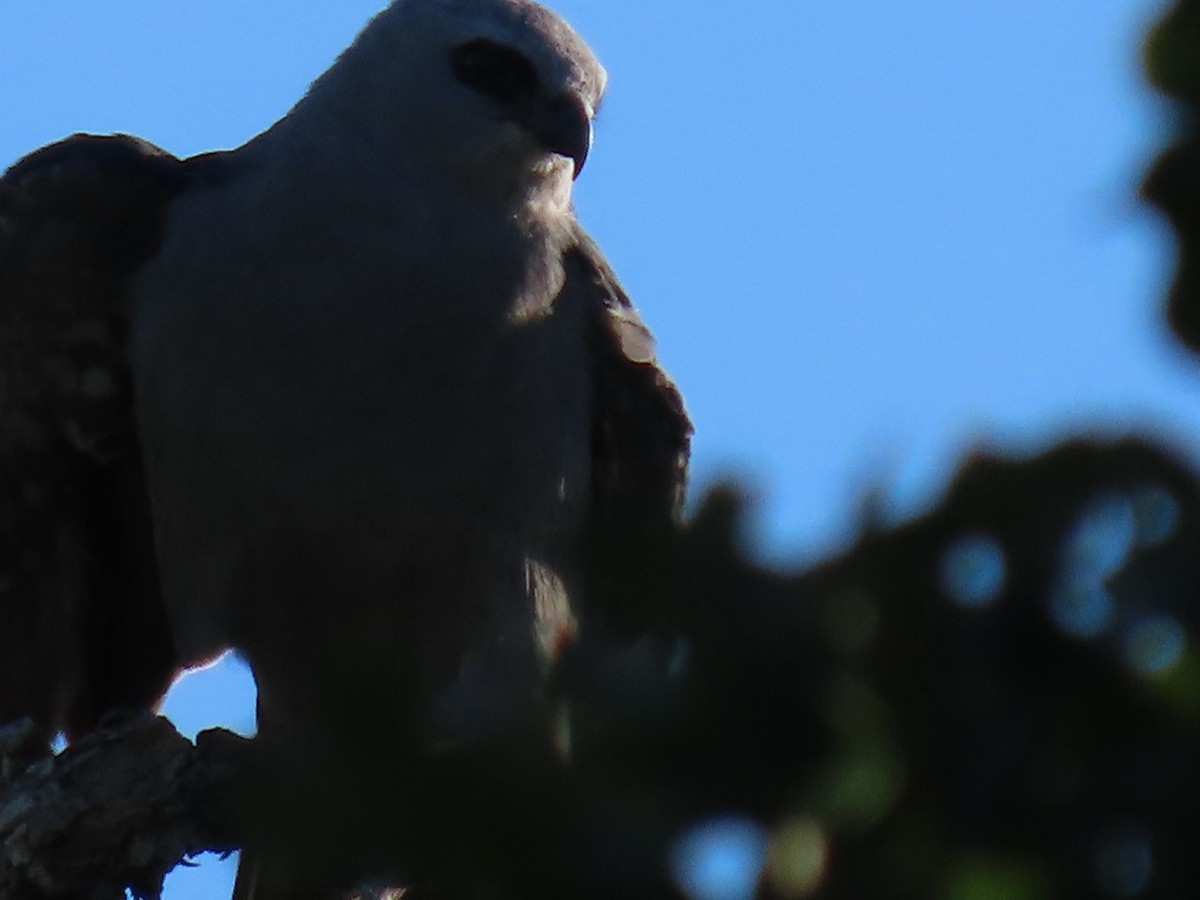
(868, 234)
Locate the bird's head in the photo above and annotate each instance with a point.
(491, 92)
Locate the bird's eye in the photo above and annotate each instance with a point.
(494, 69)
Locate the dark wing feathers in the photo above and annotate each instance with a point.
(641, 433)
(82, 627)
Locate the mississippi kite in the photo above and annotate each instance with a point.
(353, 390)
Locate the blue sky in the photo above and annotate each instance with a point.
(869, 235)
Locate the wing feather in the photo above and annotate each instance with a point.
(641, 433)
(82, 627)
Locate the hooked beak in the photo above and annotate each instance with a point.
(563, 126)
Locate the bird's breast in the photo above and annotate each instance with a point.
(359, 404)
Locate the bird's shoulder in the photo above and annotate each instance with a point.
(77, 218)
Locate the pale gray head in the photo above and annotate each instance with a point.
(500, 89)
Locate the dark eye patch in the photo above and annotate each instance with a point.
(494, 69)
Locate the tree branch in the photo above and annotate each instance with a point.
(119, 808)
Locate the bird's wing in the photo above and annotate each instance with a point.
(82, 627)
(641, 432)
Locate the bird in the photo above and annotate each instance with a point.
(345, 399)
